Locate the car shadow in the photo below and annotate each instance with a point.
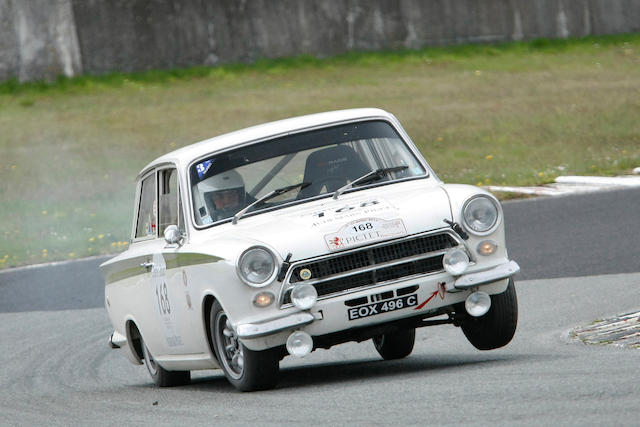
(354, 371)
(357, 370)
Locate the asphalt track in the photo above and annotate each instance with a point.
(579, 259)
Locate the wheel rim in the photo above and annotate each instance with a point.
(150, 361)
(229, 348)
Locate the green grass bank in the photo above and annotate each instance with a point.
(517, 114)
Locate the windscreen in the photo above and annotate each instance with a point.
(314, 163)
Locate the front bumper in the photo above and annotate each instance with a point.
(455, 292)
(499, 272)
(257, 330)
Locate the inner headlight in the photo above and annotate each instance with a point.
(480, 214)
(257, 267)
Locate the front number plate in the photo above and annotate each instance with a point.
(382, 307)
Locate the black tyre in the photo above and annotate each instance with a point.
(397, 345)
(161, 376)
(496, 328)
(245, 369)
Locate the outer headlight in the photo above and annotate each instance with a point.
(480, 214)
(257, 267)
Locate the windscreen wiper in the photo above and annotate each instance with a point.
(269, 196)
(368, 177)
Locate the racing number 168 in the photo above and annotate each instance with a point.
(363, 227)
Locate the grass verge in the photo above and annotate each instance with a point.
(515, 114)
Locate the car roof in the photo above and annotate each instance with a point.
(184, 155)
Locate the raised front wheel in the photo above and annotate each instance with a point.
(496, 328)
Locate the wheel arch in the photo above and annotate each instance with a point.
(207, 303)
(134, 342)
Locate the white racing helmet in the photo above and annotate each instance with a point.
(223, 194)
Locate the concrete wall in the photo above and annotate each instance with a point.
(45, 38)
(38, 39)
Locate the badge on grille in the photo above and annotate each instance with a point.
(305, 274)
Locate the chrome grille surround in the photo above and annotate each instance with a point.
(371, 266)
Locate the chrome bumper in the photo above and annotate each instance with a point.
(256, 330)
(117, 340)
(502, 271)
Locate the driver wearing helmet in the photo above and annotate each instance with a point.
(224, 194)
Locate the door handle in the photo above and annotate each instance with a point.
(147, 265)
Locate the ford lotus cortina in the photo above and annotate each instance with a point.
(301, 234)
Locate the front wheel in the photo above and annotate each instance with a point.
(496, 328)
(161, 376)
(245, 369)
(397, 345)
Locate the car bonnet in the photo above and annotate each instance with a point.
(356, 219)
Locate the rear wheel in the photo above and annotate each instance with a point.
(397, 345)
(496, 328)
(245, 369)
(161, 376)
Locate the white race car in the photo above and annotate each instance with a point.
(300, 234)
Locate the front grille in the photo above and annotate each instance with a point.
(337, 274)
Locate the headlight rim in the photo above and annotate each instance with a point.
(273, 274)
(496, 205)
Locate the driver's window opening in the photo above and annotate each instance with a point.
(315, 163)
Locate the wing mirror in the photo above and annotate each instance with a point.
(172, 235)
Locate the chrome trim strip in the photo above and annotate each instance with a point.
(256, 330)
(502, 271)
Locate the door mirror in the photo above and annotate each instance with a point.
(173, 236)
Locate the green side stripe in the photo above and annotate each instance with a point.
(124, 274)
(172, 261)
(187, 259)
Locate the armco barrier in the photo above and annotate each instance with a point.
(40, 39)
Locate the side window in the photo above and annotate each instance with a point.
(147, 211)
(170, 206)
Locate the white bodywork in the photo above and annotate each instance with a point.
(161, 289)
